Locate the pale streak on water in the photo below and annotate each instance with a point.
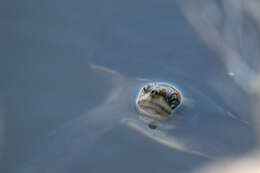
(231, 28)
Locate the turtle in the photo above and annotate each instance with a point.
(194, 125)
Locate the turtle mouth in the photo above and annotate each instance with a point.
(155, 108)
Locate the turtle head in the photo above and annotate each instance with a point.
(157, 101)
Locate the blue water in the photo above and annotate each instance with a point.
(46, 80)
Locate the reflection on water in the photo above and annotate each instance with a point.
(51, 96)
(233, 33)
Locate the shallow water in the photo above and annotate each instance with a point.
(46, 81)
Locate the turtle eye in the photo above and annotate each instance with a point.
(147, 88)
(173, 100)
(173, 96)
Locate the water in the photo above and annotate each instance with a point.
(46, 81)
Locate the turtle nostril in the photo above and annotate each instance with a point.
(154, 92)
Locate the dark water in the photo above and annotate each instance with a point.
(46, 80)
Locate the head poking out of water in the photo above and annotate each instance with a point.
(156, 101)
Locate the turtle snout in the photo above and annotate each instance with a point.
(154, 93)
